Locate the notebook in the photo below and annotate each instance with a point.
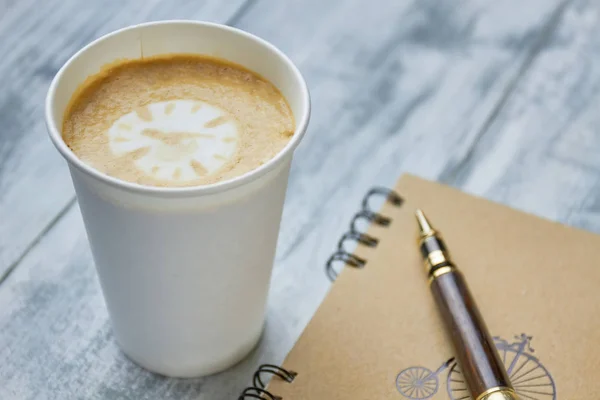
(377, 334)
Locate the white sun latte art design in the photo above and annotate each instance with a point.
(185, 139)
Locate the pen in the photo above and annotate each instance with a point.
(474, 348)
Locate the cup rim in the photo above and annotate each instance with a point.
(73, 160)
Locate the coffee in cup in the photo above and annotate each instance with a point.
(177, 120)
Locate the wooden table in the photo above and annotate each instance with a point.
(498, 98)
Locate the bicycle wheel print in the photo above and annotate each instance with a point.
(530, 379)
(417, 383)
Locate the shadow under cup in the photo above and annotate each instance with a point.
(184, 271)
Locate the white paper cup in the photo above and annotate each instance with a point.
(185, 271)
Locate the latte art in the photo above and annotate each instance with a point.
(177, 120)
(179, 140)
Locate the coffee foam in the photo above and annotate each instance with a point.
(183, 139)
(176, 120)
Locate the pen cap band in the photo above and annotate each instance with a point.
(434, 252)
(499, 394)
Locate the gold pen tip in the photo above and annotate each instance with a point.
(424, 225)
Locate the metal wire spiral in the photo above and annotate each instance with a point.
(258, 391)
(356, 235)
(283, 373)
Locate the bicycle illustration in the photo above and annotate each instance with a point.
(530, 379)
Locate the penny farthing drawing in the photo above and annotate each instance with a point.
(530, 379)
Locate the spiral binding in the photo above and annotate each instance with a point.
(354, 234)
(257, 391)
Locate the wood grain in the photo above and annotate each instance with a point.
(497, 98)
(540, 152)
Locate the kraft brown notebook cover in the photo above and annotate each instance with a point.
(377, 334)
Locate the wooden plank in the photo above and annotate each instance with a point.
(410, 87)
(541, 152)
(37, 38)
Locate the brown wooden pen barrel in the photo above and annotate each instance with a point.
(474, 347)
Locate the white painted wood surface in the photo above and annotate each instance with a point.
(498, 98)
